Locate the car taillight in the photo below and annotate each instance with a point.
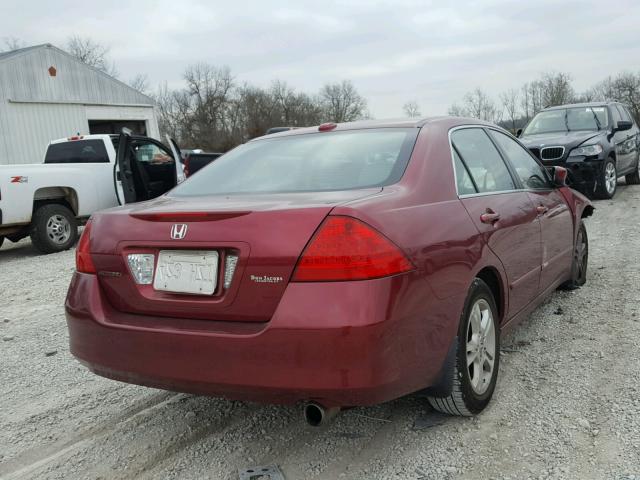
(344, 248)
(84, 263)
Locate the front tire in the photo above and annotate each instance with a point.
(477, 357)
(580, 260)
(607, 182)
(634, 178)
(53, 228)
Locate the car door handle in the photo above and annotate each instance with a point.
(489, 217)
(541, 209)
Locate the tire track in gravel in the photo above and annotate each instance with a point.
(234, 418)
(377, 447)
(37, 457)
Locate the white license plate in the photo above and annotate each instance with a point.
(184, 271)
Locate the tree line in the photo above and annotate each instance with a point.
(216, 112)
(516, 106)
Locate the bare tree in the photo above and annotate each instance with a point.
(12, 43)
(478, 104)
(341, 102)
(91, 53)
(167, 109)
(211, 91)
(411, 109)
(624, 88)
(556, 89)
(509, 101)
(457, 110)
(140, 82)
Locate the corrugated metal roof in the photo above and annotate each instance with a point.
(108, 83)
(19, 51)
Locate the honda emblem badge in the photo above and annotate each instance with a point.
(178, 231)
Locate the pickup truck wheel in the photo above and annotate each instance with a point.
(53, 228)
(478, 355)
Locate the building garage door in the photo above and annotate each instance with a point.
(138, 127)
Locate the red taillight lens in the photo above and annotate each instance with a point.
(84, 263)
(344, 248)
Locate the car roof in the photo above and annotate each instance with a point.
(383, 123)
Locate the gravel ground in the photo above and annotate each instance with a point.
(567, 405)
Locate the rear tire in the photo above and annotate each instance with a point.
(580, 260)
(53, 228)
(634, 178)
(607, 182)
(477, 357)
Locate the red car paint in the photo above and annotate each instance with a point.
(340, 343)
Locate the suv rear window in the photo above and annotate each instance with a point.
(308, 163)
(77, 151)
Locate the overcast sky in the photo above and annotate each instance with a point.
(393, 51)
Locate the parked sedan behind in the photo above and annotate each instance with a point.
(596, 142)
(338, 265)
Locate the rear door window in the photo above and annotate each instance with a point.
(483, 161)
(77, 151)
(615, 114)
(531, 173)
(623, 113)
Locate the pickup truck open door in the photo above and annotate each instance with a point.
(177, 155)
(123, 170)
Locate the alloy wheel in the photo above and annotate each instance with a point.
(481, 346)
(610, 178)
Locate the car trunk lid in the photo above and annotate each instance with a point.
(266, 233)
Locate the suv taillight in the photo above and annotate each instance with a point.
(84, 263)
(344, 248)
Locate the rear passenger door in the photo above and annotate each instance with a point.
(501, 211)
(556, 219)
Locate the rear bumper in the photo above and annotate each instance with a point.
(341, 352)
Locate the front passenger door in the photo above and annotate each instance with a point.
(556, 219)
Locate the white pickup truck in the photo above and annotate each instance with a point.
(80, 175)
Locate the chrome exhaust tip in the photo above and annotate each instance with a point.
(316, 415)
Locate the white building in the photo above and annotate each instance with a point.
(46, 94)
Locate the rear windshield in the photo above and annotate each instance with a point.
(307, 163)
(77, 151)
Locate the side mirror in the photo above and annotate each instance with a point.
(622, 126)
(518, 132)
(560, 176)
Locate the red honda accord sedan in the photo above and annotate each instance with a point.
(338, 265)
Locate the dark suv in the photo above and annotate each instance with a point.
(596, 142)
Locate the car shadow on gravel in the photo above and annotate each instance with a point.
(14, 251)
